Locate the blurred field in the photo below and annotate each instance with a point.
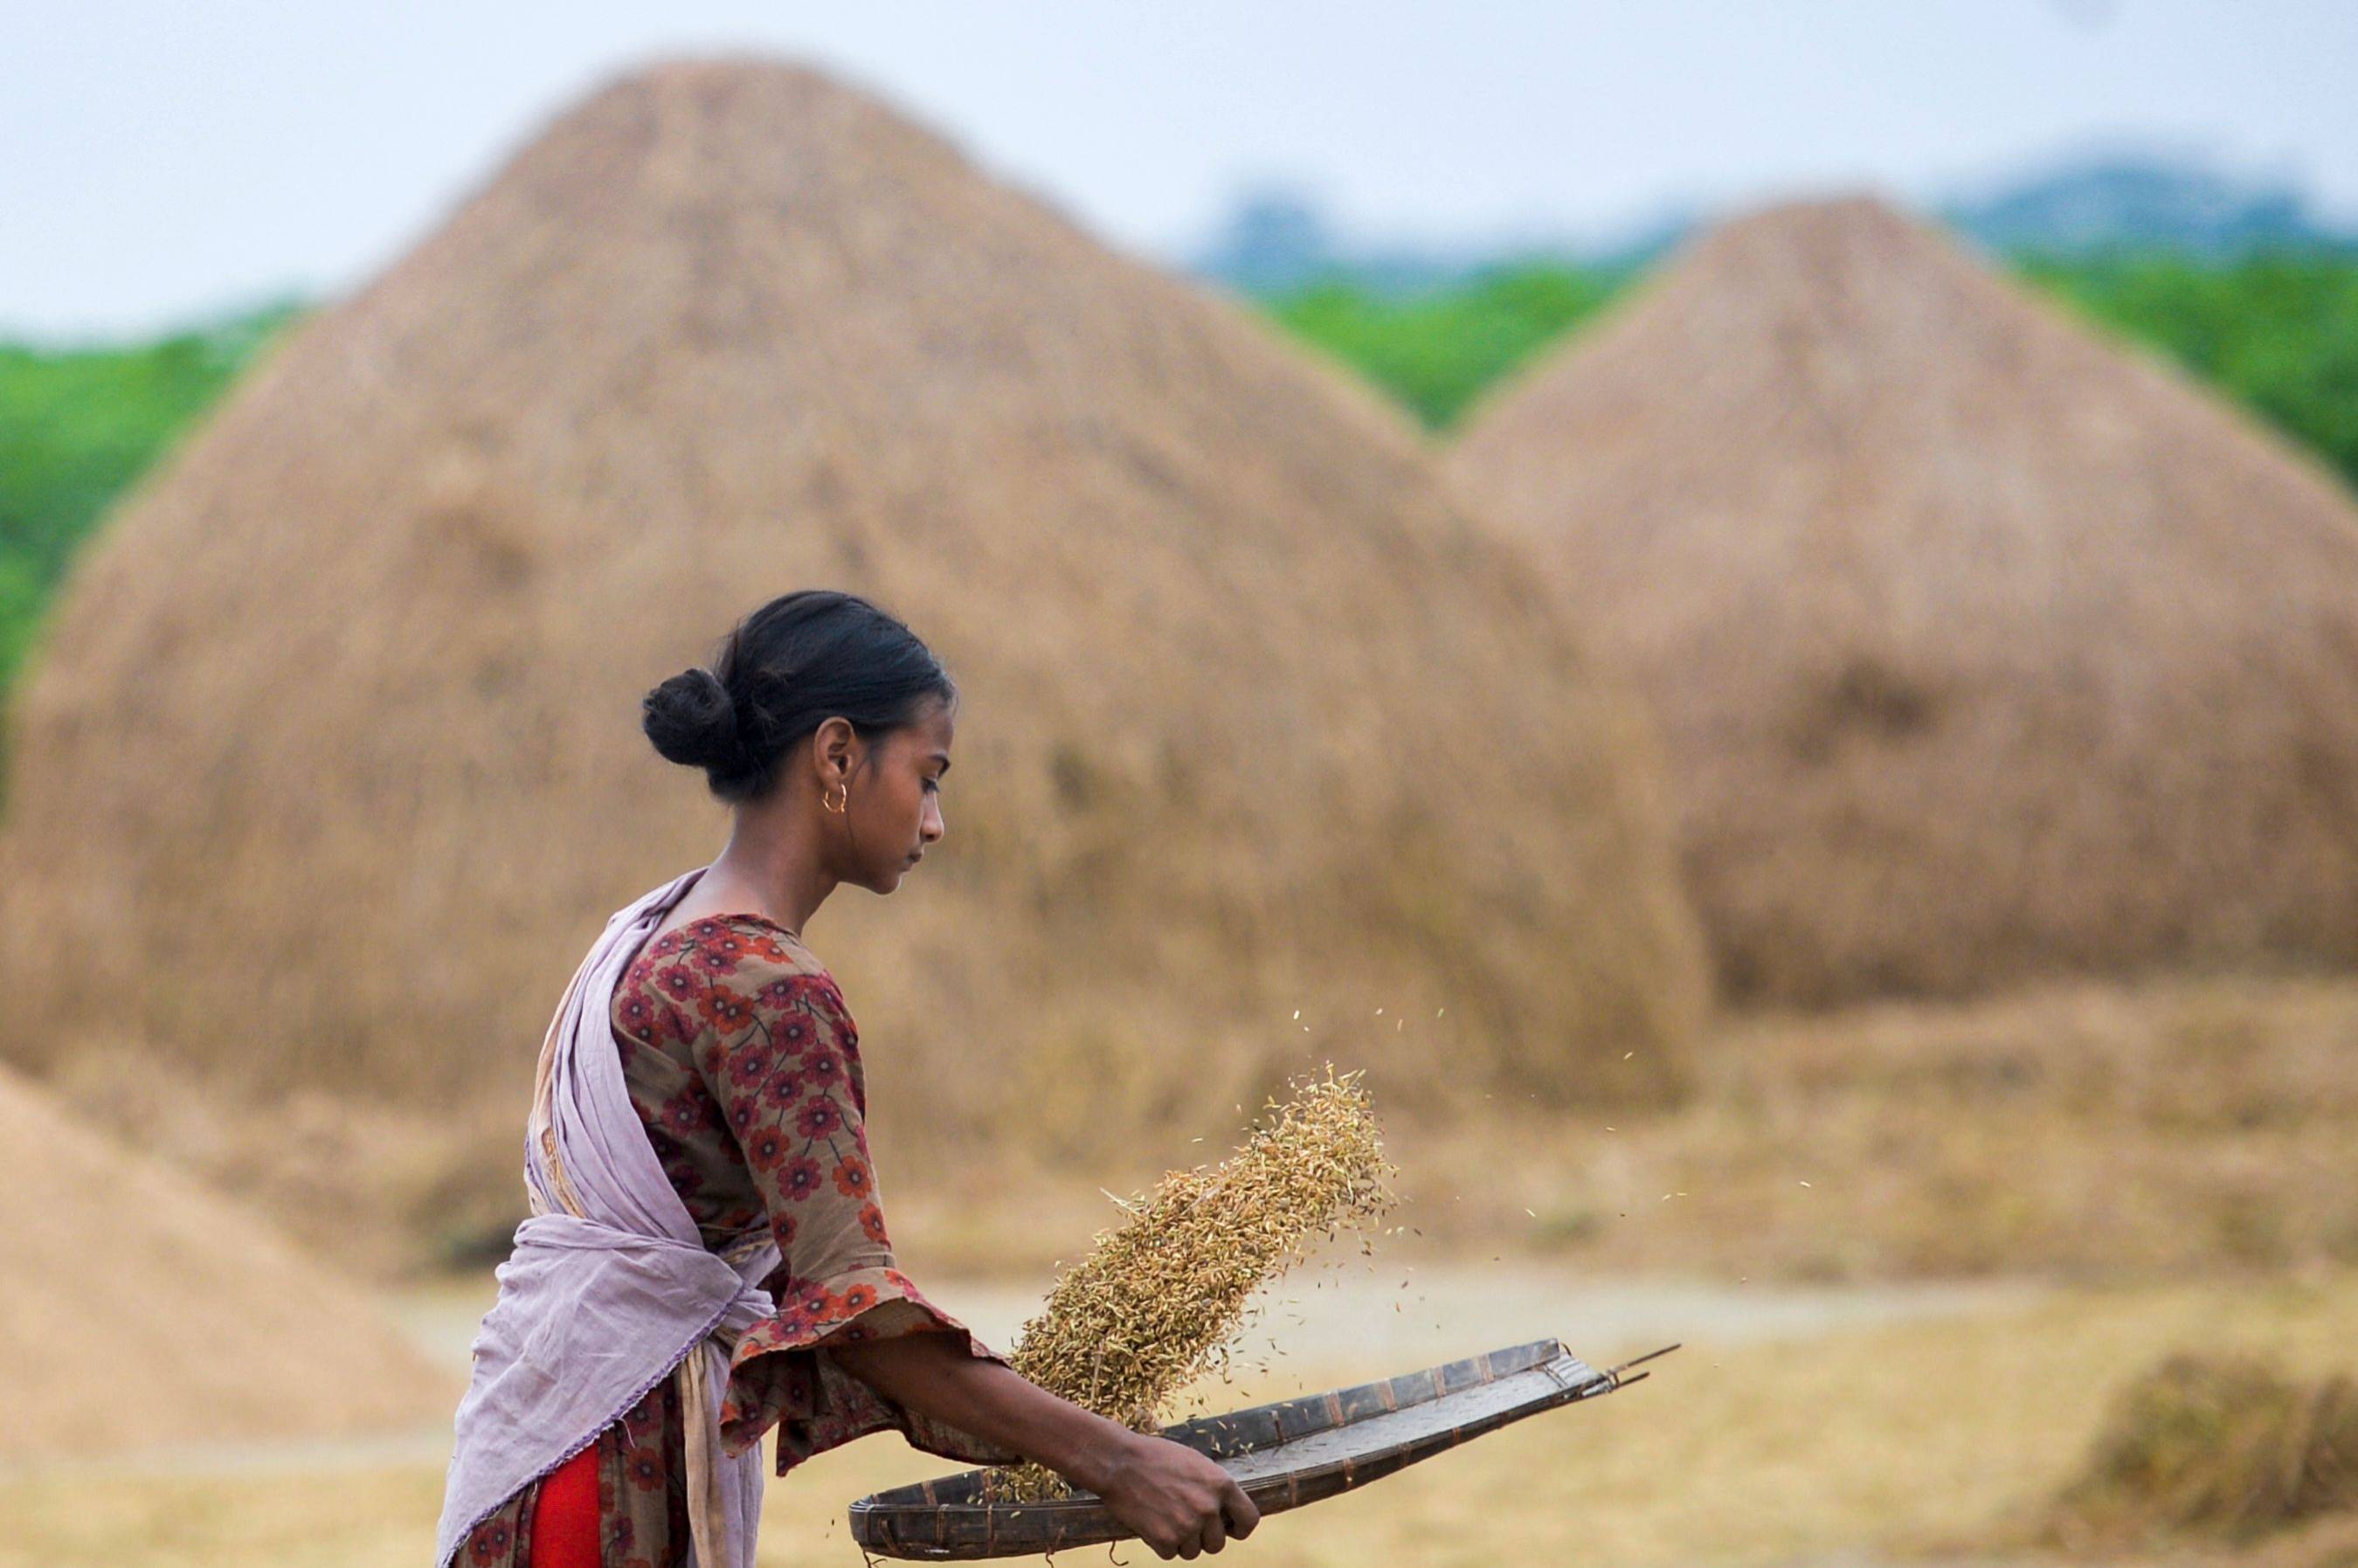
(2088, 1131)
(1856, 1424)
(2092, 1131)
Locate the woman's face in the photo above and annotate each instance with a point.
(893, 811)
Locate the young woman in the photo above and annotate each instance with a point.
(706, 1258)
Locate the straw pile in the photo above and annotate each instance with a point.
(1158, 1301)
(2214, 1445)
(137, 1309)
(1982, 648)
(330, 767)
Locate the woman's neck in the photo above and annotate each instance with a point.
(765, 870)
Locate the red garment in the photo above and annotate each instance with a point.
(565, 1518)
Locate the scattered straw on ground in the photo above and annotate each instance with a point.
(2208, 1445)
(1158, 1301)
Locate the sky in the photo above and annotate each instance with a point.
(164, 160)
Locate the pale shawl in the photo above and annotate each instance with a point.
(610, 1287)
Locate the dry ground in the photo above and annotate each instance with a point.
(1814, 1425)
(1911, 1250)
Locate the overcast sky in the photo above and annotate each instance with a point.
(163, 159)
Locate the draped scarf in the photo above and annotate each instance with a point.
(609, 1288)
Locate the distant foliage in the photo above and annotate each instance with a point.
(2277, 333)
(1435, 352)
(77, 426)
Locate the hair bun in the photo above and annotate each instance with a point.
(692, 720)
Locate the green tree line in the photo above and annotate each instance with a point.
(77, 428)
(2277, 333)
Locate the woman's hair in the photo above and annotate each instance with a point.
(799, 661)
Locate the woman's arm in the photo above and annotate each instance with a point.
(1179, 1501)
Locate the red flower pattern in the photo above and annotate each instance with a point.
(783, 1089)
(750, 1066)
(793, 1030)
(799, 1180)
(687, 1112)
(679, 982)
(766, 1149)
(719, 953)
(635, 1012)
(727, 1011)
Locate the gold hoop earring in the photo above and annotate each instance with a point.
(846, 800)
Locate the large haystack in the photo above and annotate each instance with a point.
(137, 1308)
(331, 766)
(1982, 648)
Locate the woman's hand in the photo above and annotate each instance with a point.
(1178, 1501)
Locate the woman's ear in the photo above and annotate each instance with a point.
(831, 750)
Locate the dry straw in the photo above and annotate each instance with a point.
(328, 766)
(1157, 1303)
(1982, 648)
(2214, 1445)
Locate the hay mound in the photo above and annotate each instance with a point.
(330, 766)
(1983, 649)
(137, 1308)
(1158, 1301)
(2214, 1445)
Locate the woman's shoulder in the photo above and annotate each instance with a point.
(714, 961)
(720, 944)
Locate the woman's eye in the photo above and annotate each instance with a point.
(934, 785)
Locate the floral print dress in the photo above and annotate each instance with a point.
(743, 1063)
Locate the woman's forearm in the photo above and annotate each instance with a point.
(934, 1375)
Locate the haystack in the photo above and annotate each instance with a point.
(330, 767)
(2218, 1444)
(137, 1308)
(1982, 648)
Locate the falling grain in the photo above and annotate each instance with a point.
(1158, 1301)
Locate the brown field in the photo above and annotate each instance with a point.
(1933, 1431)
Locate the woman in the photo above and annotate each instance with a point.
(706, 1258)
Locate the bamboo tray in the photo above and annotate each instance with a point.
(1284, 1454)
